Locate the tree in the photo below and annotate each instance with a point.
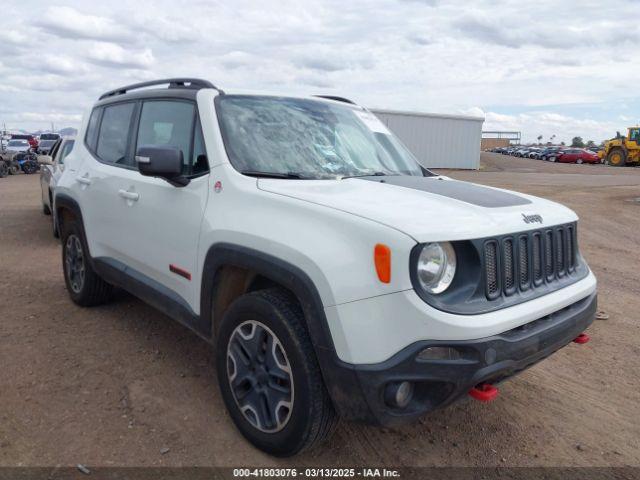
(591, 143)
(539, 138)
(577, 142)
(562, 143)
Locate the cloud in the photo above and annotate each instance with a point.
(113, 55)
(67, 22)
(507, 58)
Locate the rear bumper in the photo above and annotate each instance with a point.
(358, 390)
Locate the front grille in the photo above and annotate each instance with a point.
(529, 260)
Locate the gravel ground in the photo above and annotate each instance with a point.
(123, 385)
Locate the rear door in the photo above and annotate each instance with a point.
(159, 224)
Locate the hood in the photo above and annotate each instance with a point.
(428, 209)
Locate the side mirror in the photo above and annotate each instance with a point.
(163, 162)
(45, 160)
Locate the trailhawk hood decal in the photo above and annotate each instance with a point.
(427, 208)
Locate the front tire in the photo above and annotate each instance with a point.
(617, 158)
(84, 285)
(269, 376)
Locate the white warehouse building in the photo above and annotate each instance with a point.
(437, 140)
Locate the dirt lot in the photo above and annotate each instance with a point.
(114, 385)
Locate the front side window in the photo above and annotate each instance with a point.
(168, 123)
(114, 133)
(309, 139)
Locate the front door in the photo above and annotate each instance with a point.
(160, 223)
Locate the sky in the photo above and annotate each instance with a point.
(564, 68)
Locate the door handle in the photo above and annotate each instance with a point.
(133, 196)
(85, 180)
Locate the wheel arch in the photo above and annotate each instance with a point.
(66, 208)
(231, 270)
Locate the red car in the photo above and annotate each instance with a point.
(577, 155)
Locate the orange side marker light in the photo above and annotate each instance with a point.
(382, 260)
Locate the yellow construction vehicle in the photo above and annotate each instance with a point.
(621, 150)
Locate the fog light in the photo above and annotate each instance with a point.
(439, 353)
(398, 394)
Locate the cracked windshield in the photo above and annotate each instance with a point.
(309, 139)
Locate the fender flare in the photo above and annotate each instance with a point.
(279, 271)
(60, 201)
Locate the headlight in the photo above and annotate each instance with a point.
(436, 266)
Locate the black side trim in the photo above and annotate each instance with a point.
(463, 191)
(149, 291)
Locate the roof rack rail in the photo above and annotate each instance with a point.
(336, 98)
(193, 83)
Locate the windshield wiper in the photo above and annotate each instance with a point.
(374, 174)
(256, 173)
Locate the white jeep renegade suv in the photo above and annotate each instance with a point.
(335, 276)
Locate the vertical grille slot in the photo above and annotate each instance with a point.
(548, 255)
(509, 267)
(491, 269)
(536, 258)
(523, 262)
(559, 251)
(570, 256)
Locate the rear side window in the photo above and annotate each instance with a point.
(91, 138)
(168, 123)
(114, 133)
(65, 150)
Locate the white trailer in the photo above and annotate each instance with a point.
(437, 140)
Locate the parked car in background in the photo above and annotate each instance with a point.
(33, 142)
(576, 155)
(18, 145)
(47, 141)
(548, 152)
(51, 167)
(533, 152)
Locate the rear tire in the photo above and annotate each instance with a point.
(14, 168)
(4, 169)
(269, 376)
(84, 285)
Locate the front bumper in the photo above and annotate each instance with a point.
(358, 393)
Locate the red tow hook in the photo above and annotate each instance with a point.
(581, 339)
(484, 392)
